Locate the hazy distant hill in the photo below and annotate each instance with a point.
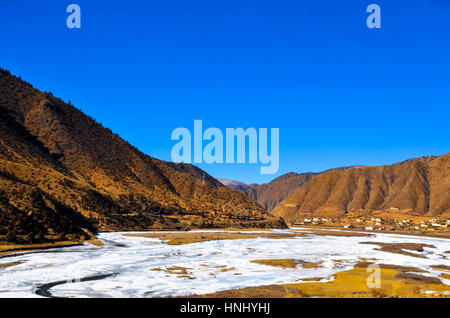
(61, 171)
(235, 185)
(417, 186)
(270, 194)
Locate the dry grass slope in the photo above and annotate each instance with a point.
(62, 172)
(418, 187)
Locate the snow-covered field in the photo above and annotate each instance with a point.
(143, 267)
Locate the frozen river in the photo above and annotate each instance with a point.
(143, 267)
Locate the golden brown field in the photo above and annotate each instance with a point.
(395, 282)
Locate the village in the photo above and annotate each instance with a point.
(381, 224)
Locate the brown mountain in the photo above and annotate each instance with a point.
(272, 193)
(60, 171)
(418, 187)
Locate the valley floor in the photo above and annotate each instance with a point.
(298, 262)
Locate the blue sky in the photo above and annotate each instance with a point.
(340, 93)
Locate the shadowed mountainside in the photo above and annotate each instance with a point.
(272, 193)
(419, 187)
(60, 172)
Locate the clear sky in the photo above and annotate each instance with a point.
(340, 93)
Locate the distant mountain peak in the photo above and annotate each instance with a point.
(270, 194)
(228, 182)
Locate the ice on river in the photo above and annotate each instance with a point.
(137, 267)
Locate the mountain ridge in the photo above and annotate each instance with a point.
(418, 187)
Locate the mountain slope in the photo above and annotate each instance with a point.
(270, 194)
(79, 171)
(417, 187)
